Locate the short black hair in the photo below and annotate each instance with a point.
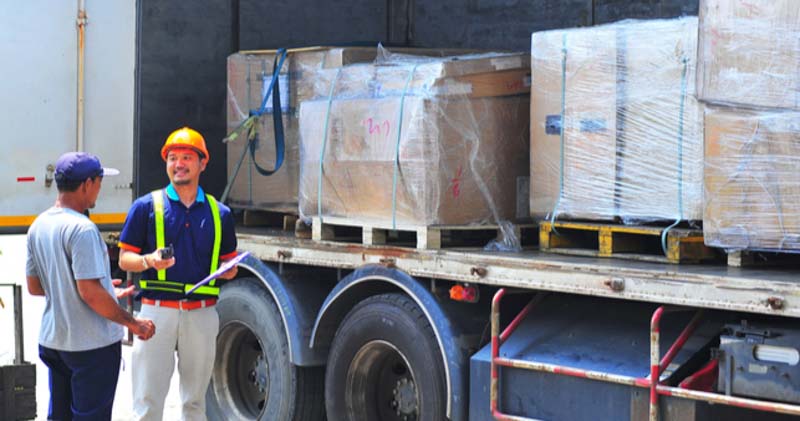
(66, 186)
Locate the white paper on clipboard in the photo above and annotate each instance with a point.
(222, 269)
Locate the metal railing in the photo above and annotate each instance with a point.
(657, 366)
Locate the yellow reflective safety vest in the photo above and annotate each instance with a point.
(162, 284)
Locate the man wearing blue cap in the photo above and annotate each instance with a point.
(67, 262)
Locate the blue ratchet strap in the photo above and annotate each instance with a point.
(277, 117)
(561, 131)
(325, 142)
(397, 147)
(680, 160)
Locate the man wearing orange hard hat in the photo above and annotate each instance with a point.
(176, 237)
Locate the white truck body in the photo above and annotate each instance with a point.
(40, 53)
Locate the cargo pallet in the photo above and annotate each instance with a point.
(624, 241)
(764, 258)
(425, 237)
(285, 221)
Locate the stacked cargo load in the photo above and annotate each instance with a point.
(615, 131)
(748, 78)
(752, 179)
(417, 142)
(249, 76)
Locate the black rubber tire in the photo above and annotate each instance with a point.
(381, 326)
(251, 325)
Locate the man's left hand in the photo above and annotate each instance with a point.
(230, 273)
(122, 292)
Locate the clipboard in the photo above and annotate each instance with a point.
(222, 269)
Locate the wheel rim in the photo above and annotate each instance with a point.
(241, 374)
(380, 385)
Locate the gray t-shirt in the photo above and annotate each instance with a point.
(64, 245)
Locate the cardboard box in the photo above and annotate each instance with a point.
(752, 183)
(249, 75)
(461, 151)
(584, 174)
(749, 54)
(632, 138)
(660, 142)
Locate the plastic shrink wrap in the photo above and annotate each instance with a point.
(749, 53)
(249, 75)
(748, 75)
(752, 179)
(414, 141)
(615, 130)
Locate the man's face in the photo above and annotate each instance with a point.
(184, 166)
(92, 186)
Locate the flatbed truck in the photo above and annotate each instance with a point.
(338, 329)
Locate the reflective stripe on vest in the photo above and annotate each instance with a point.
(178, 287)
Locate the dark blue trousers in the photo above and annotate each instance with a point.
(83, 383)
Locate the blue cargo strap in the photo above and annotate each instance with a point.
(561, 131)
(250, 124)
(277, 118)
(680, 159)
(325, 142)
(396, 169)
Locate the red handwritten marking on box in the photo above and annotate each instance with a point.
(715, 36)
(514, 85)
(380, 128)
(752, 9)
(455, 183)
(25, 179)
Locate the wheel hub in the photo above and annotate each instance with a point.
(258, 375)
(380, 385)
(405, 399)
(241, 373)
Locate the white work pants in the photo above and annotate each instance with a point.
(193, 336)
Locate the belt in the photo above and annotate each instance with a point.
(181, 304)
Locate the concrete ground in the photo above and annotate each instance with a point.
(12, 262)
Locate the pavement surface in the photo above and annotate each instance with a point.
(12, 270)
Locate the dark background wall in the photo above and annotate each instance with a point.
(182, 47)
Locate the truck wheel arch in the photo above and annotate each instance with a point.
(297, 307)
(375, 279)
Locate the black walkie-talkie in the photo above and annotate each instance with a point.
(167, 252)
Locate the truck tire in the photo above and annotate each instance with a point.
(385, 364)
(253, 378)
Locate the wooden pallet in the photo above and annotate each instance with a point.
(422, 237)
(624, 241)
(270, 219)
(761, 258)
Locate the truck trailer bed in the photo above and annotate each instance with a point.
(773, 291)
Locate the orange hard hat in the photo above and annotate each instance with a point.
(187, 138)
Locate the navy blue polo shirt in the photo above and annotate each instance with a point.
(189, 230)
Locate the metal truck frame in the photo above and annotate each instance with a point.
(308, 293)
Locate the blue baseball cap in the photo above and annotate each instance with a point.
(78, 166)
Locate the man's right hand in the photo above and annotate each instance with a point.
(155, 261)
(144, 329)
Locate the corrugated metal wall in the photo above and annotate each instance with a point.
(182, 48)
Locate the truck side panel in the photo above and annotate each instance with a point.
(39, 102)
